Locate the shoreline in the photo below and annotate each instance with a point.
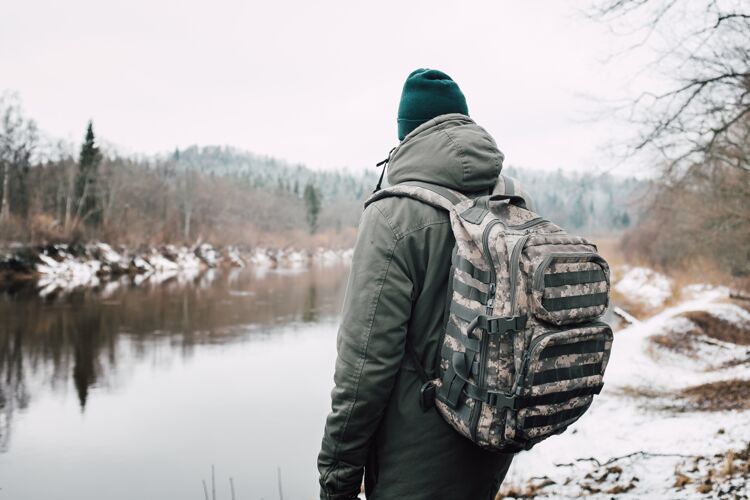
(74, 266)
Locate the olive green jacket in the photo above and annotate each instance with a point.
(397, 289)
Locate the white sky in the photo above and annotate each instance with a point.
(314, 82)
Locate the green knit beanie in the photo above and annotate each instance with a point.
(428, 93)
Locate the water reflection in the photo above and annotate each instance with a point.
(85, 338)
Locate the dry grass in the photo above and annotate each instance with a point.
(531, 489)
(725, 474)
(718, 396)
(724, 395)
(610, 247)
(718, 328)
(681, 342)
(705, 324)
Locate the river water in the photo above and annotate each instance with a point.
(134, 392)
(128, 392)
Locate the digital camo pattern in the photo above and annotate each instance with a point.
(465, 278)
(557, 267)
(452, 417)
(470, 303)
(594, 287)
(511, 215)
(568, 360)
(416, 192)
(510, 362)
(550, 410)
(565, 385)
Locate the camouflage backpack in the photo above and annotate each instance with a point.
(524, 349)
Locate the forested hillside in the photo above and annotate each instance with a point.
(224, 195)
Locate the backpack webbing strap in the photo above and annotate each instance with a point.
(464, 265)
(585, 347)
(574, 277)
(447, 352)
(567, 373)
(574, 301)
(502, 400)
(561, 397)
(470, 292)
(465, 313)
(554, 418)
(452, 196)
(471, 344)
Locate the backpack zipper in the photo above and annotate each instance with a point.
(475, 411)
(515, 265)
(490, 264)
(529, 223)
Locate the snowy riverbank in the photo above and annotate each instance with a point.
(67, 267)
(674, 418)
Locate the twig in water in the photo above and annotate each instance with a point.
(205, 488)
(281, 492)
(231, 487)
(213, 483)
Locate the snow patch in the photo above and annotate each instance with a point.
(620, 422)
(645, 286)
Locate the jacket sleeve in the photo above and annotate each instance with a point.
(370, 348)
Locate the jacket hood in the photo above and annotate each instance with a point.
(450, 150)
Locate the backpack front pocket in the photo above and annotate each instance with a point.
(563, 371)
(569, 288)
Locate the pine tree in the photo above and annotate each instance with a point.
(87, 196)
(312, 204)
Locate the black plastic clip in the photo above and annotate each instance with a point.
(501, 400)
(427, 395)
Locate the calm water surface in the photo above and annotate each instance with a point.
(128, 392)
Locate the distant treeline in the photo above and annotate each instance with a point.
(583, 202)
(223, 195)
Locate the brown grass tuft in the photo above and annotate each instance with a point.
(718, 396)
(718, 328)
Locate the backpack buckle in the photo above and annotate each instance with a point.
(501, 400)
(427, 396)
(498, 325)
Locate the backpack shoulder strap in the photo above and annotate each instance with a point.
(432, 194)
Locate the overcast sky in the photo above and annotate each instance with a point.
(312, 82)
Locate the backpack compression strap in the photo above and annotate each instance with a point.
(432, 194)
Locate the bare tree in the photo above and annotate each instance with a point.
(18, 140)
(703, 47)
(699, 127)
